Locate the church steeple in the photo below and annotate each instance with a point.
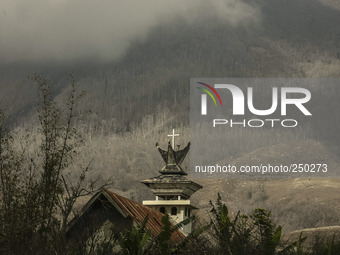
(172, 188)
(173, 159)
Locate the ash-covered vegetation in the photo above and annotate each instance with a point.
(134, 100)
(44, 171)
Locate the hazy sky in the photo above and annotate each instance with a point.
(68, 30)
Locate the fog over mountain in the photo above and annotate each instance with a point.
(61, 30)
(134, 57)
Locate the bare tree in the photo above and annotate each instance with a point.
(36, 194)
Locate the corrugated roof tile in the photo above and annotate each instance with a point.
(139, 212)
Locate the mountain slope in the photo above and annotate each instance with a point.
(291, 39)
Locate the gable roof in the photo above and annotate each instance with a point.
(137, 212)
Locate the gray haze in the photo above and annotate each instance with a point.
(70, 30)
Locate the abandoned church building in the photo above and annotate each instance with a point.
(107, 211)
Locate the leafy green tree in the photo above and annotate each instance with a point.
(164, 245)
(232, 235)
(268, 234)
(243, 234)
(322, 245)
(139, 240)
(135, 241)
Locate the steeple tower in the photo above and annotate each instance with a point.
(172, 188)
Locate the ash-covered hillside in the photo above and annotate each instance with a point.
(137, 96)
(275, 39)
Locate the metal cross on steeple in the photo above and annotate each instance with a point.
(173, 138)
